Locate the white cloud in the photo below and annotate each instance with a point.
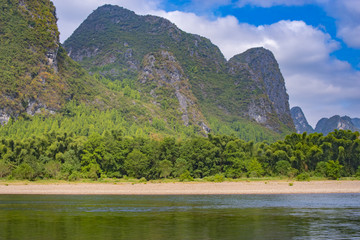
(271, 3)
(322, 85)
(346, 13)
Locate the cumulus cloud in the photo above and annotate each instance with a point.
(346, 13)
(270, 3)
(322, 85)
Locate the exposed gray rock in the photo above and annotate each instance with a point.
(35, 107)
(52, 58)
(265, 67)
(4, 117)
(206, 129)
(259, 68)
(259, 110)
(85, 53)
(327, 125)
(300, 122)
(163, 69)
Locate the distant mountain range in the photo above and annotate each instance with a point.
(324, 125)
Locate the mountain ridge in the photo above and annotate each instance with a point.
(324, 125)
(327, 125)
(225, 90)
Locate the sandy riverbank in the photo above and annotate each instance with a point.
(258, 187)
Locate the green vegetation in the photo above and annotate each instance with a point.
(111, 150)
(36, 75)
(120, 123)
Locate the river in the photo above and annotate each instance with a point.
(287, 216)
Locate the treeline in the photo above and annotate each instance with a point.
(58, 155)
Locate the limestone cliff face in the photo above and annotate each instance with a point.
(164, 80)
(300, 122)
(327, 125)
(36, 74)
(260, 66)
(28, 58)
(115, 43)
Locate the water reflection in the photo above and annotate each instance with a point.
(310, 216)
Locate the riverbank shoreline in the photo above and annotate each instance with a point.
(183, 188)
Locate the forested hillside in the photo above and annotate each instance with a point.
(149, 87)
(126, 49)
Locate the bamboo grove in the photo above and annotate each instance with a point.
(112, 154)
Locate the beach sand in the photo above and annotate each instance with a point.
(253, 187)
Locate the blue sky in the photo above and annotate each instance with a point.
(311, 14)
(316, 42)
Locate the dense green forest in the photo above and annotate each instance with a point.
(106, 146)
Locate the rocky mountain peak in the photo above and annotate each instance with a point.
(327, 125)
(116, 13)
(300, 122)
(265, 67)
(237, 90)
(266, 76)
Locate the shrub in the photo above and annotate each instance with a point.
(357, 175)
(142, 180)
(5, 169)
(283, 167)
(74, 176)
(333, 169)
(321, 169)
(305, 176)
(52, 169)
(94, 171)
(186, 177)
(181, 166)
(24, 171)
(136, 164)
(219, 178)
(254, 168)
(165, 167)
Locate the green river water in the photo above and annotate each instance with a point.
(300, 216)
